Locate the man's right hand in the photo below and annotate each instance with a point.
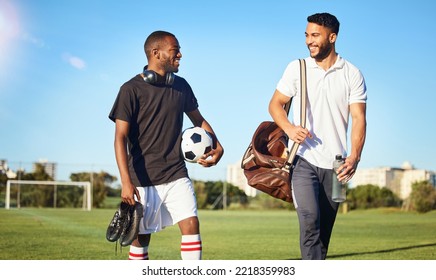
(128, 193)
(298, 134)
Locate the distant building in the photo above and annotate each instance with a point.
(49, 167)
(236, 177)
(398, 180)
(4, 169)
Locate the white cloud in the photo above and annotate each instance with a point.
(74, 61)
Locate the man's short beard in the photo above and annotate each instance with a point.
(323, 52)
(171, 69)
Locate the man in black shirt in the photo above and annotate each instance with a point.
(148, 115)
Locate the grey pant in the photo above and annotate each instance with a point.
(312, 192)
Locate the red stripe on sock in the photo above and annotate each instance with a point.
(191, 243)
(190, 249)
(133, 256)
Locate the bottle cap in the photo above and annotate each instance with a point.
(338, 156)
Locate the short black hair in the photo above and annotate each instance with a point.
(154, 39)
(325, 19)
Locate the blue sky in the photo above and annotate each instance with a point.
(62, 63)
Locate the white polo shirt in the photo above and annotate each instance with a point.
(329, 95)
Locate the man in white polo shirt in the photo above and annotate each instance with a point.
(336, 90)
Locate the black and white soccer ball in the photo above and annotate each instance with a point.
(195, 143)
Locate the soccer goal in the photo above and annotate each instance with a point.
(48, 191)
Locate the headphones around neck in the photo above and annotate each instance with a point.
(152, 77)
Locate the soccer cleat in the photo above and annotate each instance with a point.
(131, 225)
(116, 225)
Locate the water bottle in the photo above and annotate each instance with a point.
(339, 190)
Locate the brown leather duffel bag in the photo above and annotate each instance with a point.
(267, 162)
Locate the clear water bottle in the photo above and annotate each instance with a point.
(339, 190)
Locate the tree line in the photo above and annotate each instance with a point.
(210, 194)
(422, 198)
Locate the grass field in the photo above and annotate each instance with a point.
(71, 234)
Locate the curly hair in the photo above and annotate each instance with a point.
(326, 20)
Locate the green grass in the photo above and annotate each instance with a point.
(72, 234)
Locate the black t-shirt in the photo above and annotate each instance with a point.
(155, 114)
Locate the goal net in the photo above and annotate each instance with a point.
(55, 194)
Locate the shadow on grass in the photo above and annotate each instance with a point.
(381, 251)
(377, 252)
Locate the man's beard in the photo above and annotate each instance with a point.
(169, 67)
(324, 51)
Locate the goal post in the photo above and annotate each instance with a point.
(87, 194)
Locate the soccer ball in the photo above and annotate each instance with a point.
(195, 143)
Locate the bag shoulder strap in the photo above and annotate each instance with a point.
(303, 83)
(303, 107)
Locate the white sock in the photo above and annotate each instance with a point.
(190, 247)
(138, 253)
